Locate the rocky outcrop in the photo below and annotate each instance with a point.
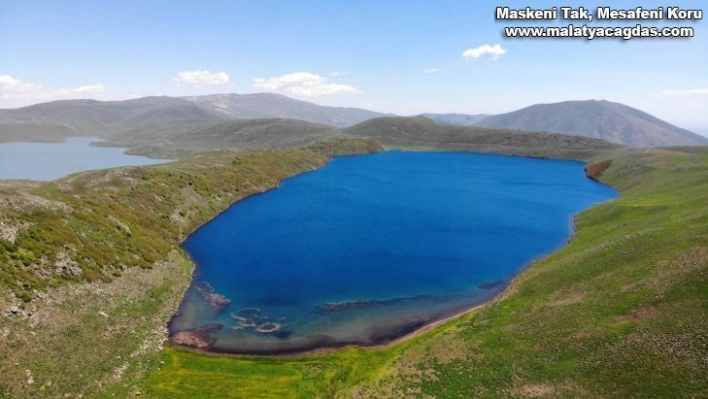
(594, 171)
(9, 231)
(66, 266)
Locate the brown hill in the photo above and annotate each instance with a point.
(605, 120)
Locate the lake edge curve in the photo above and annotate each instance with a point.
(195, 338)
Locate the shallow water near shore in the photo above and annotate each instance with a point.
(370, 248)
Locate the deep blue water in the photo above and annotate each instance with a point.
(371, 247)
(49, 161)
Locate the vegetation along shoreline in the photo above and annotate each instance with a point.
(42, 336)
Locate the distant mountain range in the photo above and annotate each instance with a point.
(457, 119)
(268, 105)
(169, 121)
(605, 120)
(58, 120)
(702, 132)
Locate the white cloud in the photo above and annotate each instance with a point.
(335, 74)
(15, 92)
(89, 89)
(690, 91)
(201, 78)
(431, 70)
(495, 51)
(303, 84)
(12, 86)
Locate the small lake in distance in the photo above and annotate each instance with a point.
(50, 161)
(372, 247)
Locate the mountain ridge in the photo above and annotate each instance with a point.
(456, 118)
(59, 120)
(273, 105)
(602, 119)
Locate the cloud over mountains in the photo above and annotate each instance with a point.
(201, 78)
(303, 84)
(15, 92)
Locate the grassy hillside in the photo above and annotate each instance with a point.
(457, 119)
(619, 312)
(90, 268)
(412, 133)
(163, 141)
(424, 133)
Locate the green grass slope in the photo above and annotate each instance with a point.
(424, 133)
(456, 119)
(238, 134)
(90, 268)
(621, 311)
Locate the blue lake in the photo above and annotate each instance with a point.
(372, 247)
(49, 161)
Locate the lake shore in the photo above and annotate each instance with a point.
(380, 333)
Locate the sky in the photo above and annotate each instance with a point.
(402, 57)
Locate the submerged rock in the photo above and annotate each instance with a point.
(332, 307)
(492, 284)
(344, 305)
(207, 328)
(217, 301)
(246, 314)
(198, 338)
(192, 339)
(267, 328)
(251, 319)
